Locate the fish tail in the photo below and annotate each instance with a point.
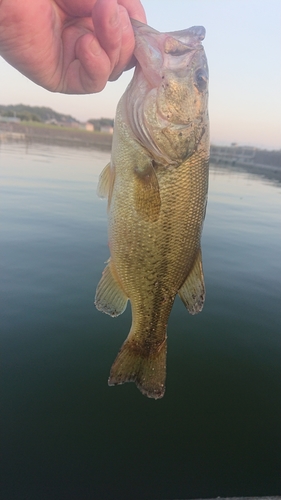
(145, 367)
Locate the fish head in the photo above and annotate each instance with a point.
(167, 99)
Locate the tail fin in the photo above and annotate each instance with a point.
(146, 368)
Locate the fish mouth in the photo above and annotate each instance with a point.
(172, 44)
(198, 32)
(195, 34)
(161, 56)
(156, 51)
(144, 27)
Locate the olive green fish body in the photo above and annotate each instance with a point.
(156, 185)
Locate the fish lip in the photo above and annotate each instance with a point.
(198, 32)
(145, 27)
(151, 42)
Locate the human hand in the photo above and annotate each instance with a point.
(69, 46)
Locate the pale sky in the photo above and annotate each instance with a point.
(243, 47)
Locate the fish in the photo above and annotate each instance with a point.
(156, 184)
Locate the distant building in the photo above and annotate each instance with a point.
(245, 155)
(9, 119)
(87, 126)
(108, 129)
(233, 154)
(53, 121)
(74, 125)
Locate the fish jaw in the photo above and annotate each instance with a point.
(165, 105)
(154, 50)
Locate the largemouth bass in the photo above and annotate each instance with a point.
(156, 184)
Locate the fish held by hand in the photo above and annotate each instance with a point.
(156, 184)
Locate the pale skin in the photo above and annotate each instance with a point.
(69, 46)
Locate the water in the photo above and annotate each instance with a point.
(65, 433)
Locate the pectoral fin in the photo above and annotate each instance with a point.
(146, 192)
(110, 297)
(106, 183)
(192, 292)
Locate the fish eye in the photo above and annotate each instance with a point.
(201, 80)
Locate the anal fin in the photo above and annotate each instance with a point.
(110, 297)
(192, 292)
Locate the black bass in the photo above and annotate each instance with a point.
(156, 184)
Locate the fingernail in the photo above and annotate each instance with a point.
(114, 77)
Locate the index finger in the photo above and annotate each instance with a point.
(108, 29)
(135, 9)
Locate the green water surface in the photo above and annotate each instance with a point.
(65, 433)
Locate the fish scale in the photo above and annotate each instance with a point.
(157, 191)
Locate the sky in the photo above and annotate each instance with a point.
(243, 48)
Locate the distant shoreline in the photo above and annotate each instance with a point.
(62, 136)
(267, 172)
(52, 134)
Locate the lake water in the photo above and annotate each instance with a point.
(65, 433)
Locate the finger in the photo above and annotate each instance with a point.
(135, 9)
(77, 9)
(127, 45)
(90, 70)
(108, 28)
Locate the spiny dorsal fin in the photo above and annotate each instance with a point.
(192, 292)
(110, 297)
(146, 192)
